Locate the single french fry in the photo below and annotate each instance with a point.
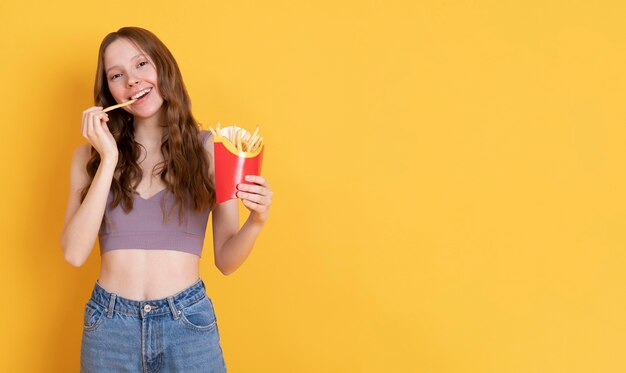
(247, 141)
(240, 140)
(218, 129)
(259, 144)
(256, 132)
(253, 139)
(119, 105)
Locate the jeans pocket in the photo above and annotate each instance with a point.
(199, 316)
(93, 316)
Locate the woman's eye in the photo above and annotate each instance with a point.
(113, 77)
(142, 63)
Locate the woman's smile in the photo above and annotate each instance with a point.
(141, 94)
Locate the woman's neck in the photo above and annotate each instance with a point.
(148, 131)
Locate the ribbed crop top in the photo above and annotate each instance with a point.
(143, 226)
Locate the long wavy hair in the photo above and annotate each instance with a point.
(185, 166)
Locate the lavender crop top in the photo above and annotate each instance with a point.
(143, 226)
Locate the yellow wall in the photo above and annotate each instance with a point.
(449, 179)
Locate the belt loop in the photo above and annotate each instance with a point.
(175, 312)
(111, 305)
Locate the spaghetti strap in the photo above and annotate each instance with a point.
(204, 135)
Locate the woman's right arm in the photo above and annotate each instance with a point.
(83, 220)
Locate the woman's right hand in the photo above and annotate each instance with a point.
(96, 131)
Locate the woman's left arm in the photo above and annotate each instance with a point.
(233, 245)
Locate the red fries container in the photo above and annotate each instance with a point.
(232, 165)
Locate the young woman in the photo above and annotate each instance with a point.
(144, 185)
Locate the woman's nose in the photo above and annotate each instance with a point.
(132, 82)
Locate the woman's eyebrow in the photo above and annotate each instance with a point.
(113, 67)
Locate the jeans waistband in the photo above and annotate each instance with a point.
(148, 308)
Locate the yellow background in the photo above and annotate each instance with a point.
(448, 176)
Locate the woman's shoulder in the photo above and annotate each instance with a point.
(206, 137)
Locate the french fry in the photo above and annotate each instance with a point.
(244, 142)
(240, 139)
(256, 141)
(253, 139)
(257, 144)
(119, 105)
(233, 131)
(256, 132)
(246, 137)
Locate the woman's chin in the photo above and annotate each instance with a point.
(146, 113)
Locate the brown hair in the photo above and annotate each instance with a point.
(185, 167)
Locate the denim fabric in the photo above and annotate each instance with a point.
(174, 334)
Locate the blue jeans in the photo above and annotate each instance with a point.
(174, 334)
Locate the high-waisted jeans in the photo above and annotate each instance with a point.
(174, 334)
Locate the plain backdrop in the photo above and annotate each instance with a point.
(448, 177)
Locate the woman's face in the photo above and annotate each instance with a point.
(130, 74)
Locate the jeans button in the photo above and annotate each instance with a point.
(147, 308)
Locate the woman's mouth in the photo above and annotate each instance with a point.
(141, 95)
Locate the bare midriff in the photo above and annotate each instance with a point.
(147, 274)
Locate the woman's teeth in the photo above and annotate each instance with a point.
(141, 94)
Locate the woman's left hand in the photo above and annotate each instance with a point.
(257, 198)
